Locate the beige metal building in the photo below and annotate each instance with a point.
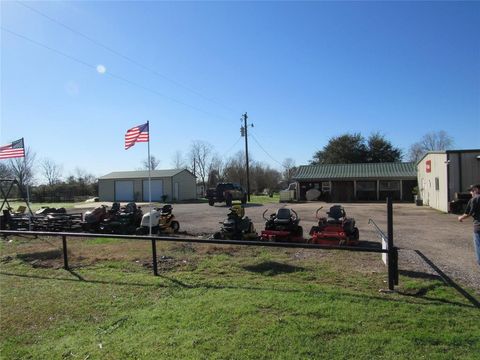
(441, 174)
(175, 184)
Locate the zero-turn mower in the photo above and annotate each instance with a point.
(282, 226)
(335, 229)
(237, 226)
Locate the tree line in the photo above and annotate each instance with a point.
(211, 168)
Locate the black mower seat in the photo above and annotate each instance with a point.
(336, 214)
(283, 217)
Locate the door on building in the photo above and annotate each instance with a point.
(342, 191)
(157, 190)
(407, 189)
(124, 190)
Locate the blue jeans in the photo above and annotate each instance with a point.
(476, 244)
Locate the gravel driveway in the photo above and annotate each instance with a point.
(440, 237)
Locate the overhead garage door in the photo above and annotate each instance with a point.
(124, 190)
(157, 190)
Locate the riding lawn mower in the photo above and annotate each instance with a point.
(282, 226)
(335, 229)
(125, 221)
(237, 226)
(163, 221)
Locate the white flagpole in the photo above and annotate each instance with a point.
(149, 182)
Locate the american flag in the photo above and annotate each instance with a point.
(136, 134)
(14, 150)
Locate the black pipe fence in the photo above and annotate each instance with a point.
(391, 251)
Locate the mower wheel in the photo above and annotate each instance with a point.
(356, 234)
(211, 202)
(175, 225)
(300, 231)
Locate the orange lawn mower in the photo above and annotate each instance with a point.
(335, 229)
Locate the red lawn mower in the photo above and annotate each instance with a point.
(335, 229)
(282, 226)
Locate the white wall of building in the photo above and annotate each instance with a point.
(433, 180)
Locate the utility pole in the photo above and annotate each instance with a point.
(245, 117)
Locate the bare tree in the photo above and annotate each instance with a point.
(51, 171)
(432, 141)
(200, 154)
(154, 162)
(178, 161)
(22, 168)
(235, 170)
(83, 177)
(215, 171)
(5, 171)
(289, 169)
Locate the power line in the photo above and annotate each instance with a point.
(153, 91)
(265, 151)
(231, 147)
(125, 57)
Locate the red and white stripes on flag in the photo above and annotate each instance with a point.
(14, 150)
(136, 134)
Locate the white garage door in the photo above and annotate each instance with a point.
(157, 190)
(124, 190)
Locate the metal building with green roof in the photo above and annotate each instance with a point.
(358, 182)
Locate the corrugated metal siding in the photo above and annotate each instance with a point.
(356, 171)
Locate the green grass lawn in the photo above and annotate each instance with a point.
(264, 199)
(35, 206)
(214, 302)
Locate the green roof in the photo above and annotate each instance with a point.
(357, 171)
(142, 174)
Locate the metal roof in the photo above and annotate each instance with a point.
(142, 174)
(357, 171)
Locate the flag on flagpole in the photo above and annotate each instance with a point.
(14, 150)
(136, 134)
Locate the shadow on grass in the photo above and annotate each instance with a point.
(448, 281)
(181, 284)
(41, 255)
(272, 268)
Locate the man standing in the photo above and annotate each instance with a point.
(473, 210)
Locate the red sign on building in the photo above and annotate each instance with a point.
(429, 166)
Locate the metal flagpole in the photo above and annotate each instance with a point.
(26, 185)
(149, 182)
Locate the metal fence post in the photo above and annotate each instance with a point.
(65, 256)
(154, 257)
(391, 250)
(396, 265)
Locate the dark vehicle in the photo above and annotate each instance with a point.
(284, 225)
(459, 203)
(226, 192)
(335, 229)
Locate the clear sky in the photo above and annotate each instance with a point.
(304, 72)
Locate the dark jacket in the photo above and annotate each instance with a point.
(473, 210)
